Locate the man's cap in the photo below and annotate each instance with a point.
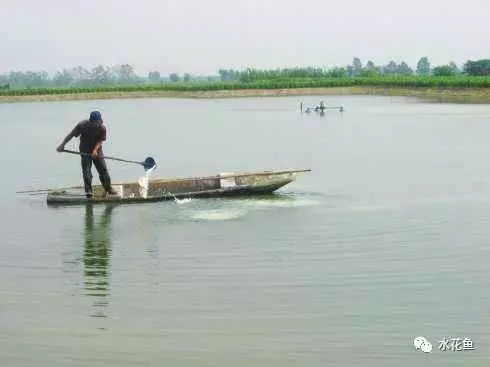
(95, 116)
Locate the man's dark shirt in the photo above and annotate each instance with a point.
(90, 133)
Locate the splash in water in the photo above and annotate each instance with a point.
(179, 201)
(182, 201)
(144, 182)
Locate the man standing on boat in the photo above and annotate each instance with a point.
(92, 133)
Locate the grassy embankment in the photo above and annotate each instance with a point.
(455, 88)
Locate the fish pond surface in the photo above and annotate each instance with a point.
(387, 239)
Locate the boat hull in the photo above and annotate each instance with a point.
(225, 184)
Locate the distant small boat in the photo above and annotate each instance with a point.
(224, 184)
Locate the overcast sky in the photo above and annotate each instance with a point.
(202, 36)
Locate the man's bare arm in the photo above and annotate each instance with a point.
(61, 147)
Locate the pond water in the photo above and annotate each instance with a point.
(385, 240)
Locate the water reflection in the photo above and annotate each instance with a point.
(96, 257)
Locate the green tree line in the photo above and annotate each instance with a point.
(357, 69)
(125, 75)
(97, 76)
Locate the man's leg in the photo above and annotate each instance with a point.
(105, 179)
(87, 174)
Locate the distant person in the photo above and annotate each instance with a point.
(321, 107)
(92, 133)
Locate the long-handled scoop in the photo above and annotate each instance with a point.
(148, 164)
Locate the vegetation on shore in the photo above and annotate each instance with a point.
(413, 81)
(122, 79)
